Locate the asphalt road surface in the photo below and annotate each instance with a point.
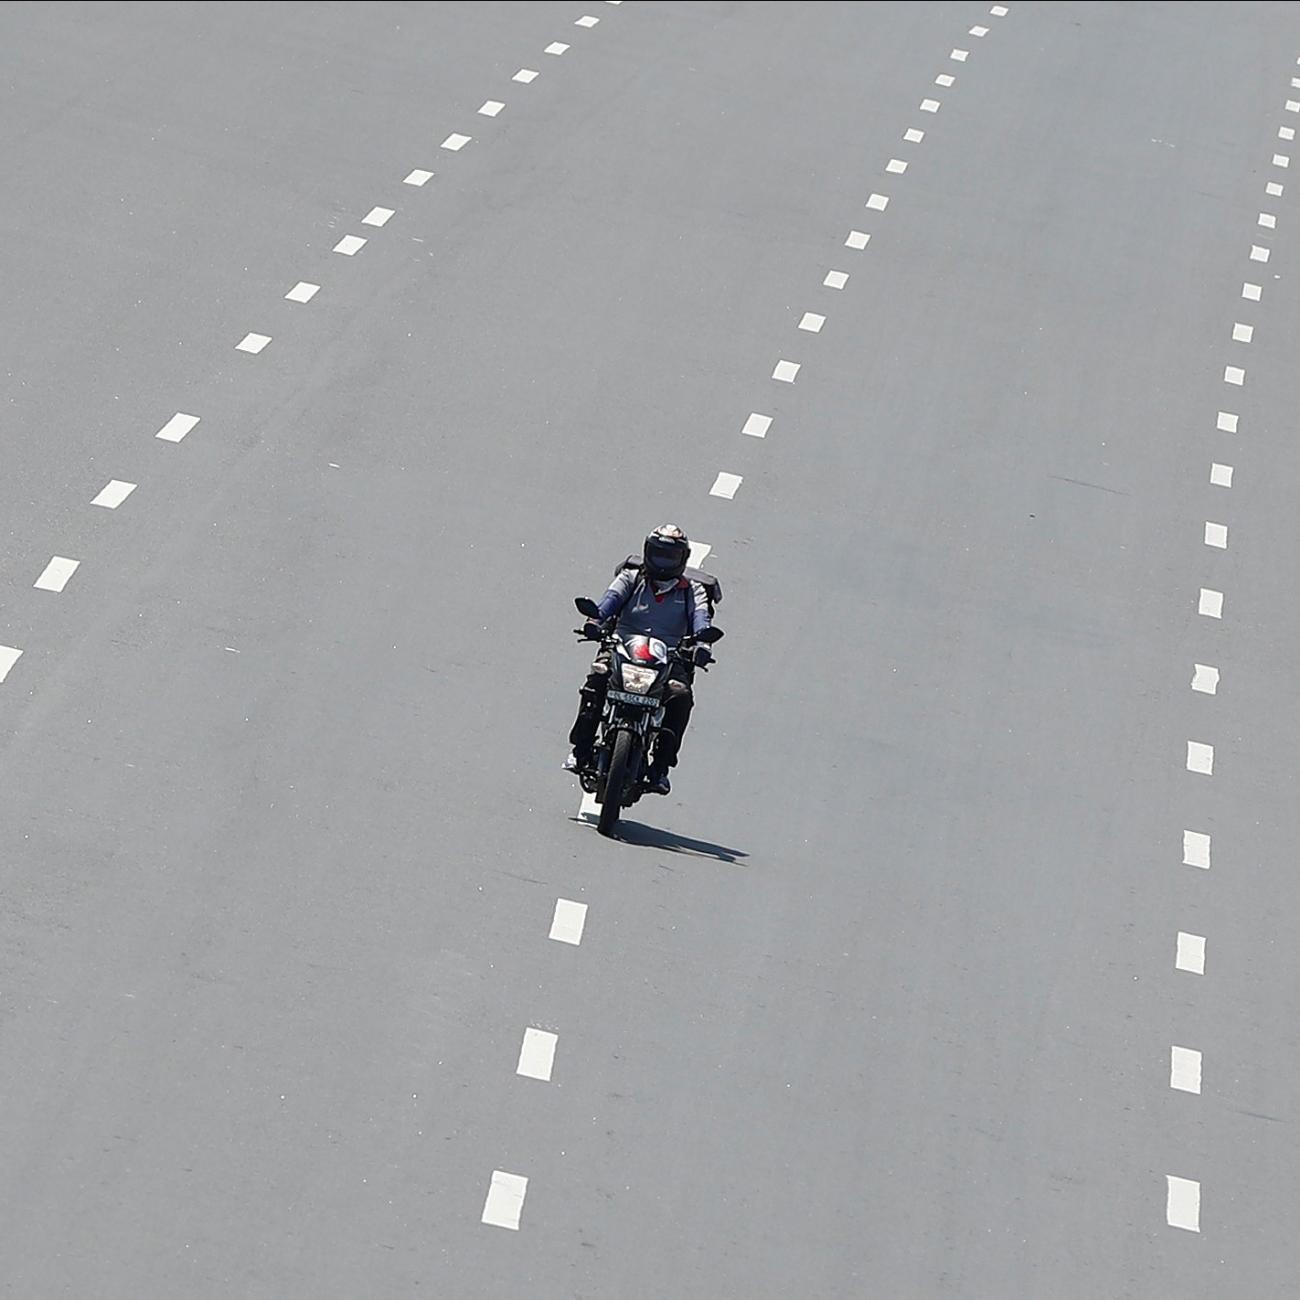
(961, 962)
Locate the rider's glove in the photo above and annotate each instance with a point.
(703, 655)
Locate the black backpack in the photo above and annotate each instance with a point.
(712, 587)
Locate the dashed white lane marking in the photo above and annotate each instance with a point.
(1216, 535)
(537, 1055)
(1189, 954)
(55, 575)
(1205, 679)
(588, 808)
(812, 322)
(836, 279)
(555, 47)
(699, 553)
(1267, 220)
(757, 425)
(1227, 422)
(302, 292)
(913, 135)
(1185, 1069)
(1251, 291)
(252, 343)
(929, 106)
(1200, 758)
(878, 202)
(1221, 475)
(1286, 133)
(491, 107)
(725, 485)
(525, 75)
(456, 141)
(1258, 254)
(786, 371)
(177, 427)
(113, 493)
(1293, 105)
(857, 239)
(417, 177)
(9, 655)
(505, 1200)
(1281, 160)
(350, 245)
(1211, 603)
(586, 21)
(1234, 375)
(568, 922)
(945, 79)
(377, 216)
(999, 11)
(1274, 189)
(979, 31)
(896, 165)
(959, 56)
(1242, 333)
(1183, 1203)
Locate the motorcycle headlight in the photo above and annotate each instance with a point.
(638, 680)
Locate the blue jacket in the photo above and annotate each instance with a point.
(683, 609)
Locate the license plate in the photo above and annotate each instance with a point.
(626, 697)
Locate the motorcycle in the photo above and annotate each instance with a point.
(638, 688)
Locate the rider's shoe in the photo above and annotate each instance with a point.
(657, 782)
(571, 763)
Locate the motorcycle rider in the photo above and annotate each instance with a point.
(654, 599)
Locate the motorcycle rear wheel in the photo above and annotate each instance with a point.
(615, 779)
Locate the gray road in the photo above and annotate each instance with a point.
(881, 1000)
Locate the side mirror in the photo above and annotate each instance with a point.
(709, 635)
(587, 607)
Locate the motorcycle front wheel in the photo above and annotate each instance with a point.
(615, 779)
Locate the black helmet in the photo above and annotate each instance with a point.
(666, 551)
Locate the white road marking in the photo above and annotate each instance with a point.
(1227, 422)
(1295, 81)
(1205, 679)
(1185, 1069)
(302, 292)
(857, 239)
(377, 216)
(417, 177)
(1258, 254)
(177, 427)
(699, 553)
(1281, 160)
(929, 106)
(525, 75)
(1234, 375)
(1268, 221)
(491, 107)
(1221, 475)
(252, 343)
(812, 322)
(913, 135)
(588, 808)
(896, 165)
(1293, 105)
(725, 485)
(586, 21)
(878, 202)
(1200, 758)
(1216, 535)
(979, 31)
(757, 425)
(999, 11)
(836, 279)
(537, 1055)
(9, 655)
(350, 245)
(55, 575)
(113, 493)
(1274, 189)
(786, 371)
(1251, 291)
(555, 47)
(456, 141)
(1242, 333)
(1190, 953)
(1211, 603)
(959, 56)
(505, 1200)
(944, 79)
(1183, 1204)
(1286, 133)
(568, 922)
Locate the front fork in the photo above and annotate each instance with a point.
(646, 728)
